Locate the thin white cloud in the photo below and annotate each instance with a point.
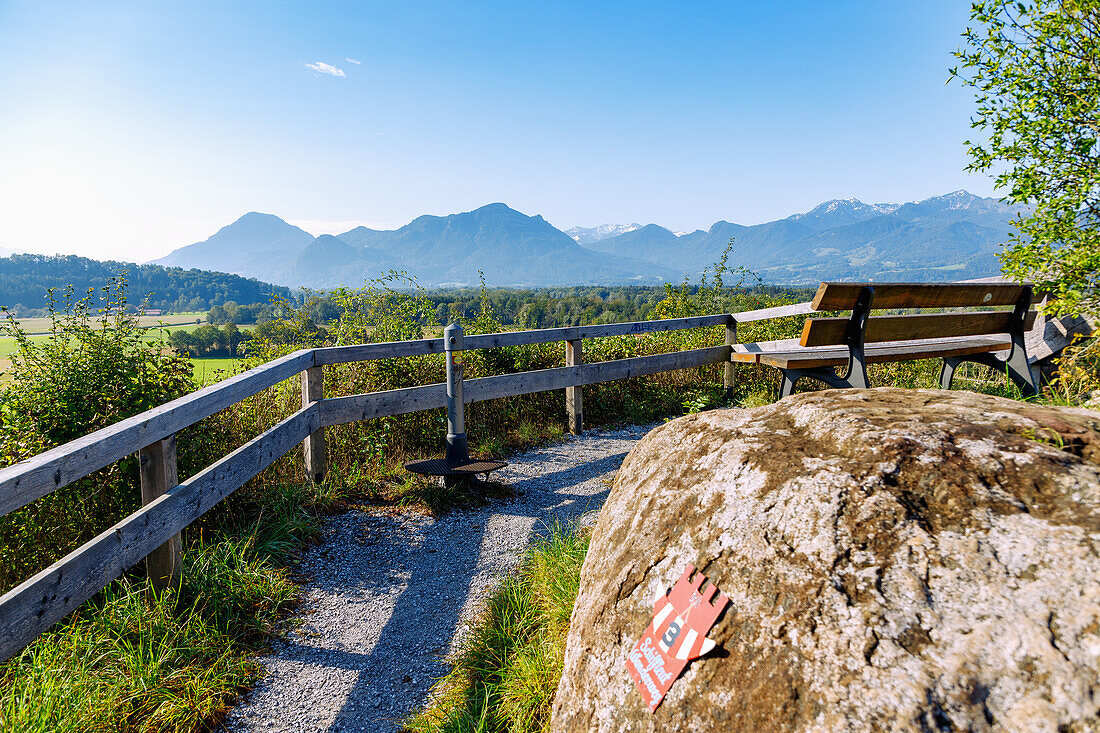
(353, 61)
(322, 68)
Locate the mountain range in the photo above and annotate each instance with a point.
(949, 237)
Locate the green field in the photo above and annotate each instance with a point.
(159, 327)
(208, 371)
(42, 325)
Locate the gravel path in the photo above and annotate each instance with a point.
(388, 595)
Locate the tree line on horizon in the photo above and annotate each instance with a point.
(26, 280)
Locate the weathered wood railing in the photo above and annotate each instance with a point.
(153, 532)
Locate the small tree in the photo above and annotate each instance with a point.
(1036, 68)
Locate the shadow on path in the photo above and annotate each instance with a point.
(390, 592)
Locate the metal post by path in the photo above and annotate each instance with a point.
(457, 451)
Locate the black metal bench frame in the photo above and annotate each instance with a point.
(855, 374)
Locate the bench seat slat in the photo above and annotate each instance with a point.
(788, 354)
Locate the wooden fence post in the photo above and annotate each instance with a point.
(157, 468)
(313, 447)
(574, 400)
(728, 375)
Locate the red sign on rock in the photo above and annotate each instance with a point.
(677, 634)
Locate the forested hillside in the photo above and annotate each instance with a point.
(26, 278)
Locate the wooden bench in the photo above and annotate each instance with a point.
(861, 339)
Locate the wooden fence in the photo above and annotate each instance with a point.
(153, 532)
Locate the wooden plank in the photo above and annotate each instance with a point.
(751, 353)
(808, 358)
(508, 385)
(394, 349)
(367, 352)
(573, 333)
(313, 447)
(782, 311)
(1051, 335)
(834, 296)
(574, 399)
(340, 410)
(39, 602)
(829, 331)
(23, 482)
(728, 374)
(157, 469)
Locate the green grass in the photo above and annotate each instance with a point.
(209, 370)
(136, 660)
(505, 677)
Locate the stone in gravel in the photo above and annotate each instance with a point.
(895, 560)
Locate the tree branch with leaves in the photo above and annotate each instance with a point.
(1035, 68)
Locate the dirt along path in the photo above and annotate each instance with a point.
(389, 595)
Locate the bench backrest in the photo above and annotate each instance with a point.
(830, 331)
(842, 296)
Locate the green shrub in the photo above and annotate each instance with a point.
(89, 372)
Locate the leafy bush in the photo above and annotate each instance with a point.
(89, 372)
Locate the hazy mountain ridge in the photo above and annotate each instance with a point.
(948, 237)
(940, 238)
(509, 247)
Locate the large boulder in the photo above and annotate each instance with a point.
(895, 560)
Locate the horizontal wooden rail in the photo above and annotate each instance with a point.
(573, 333)
(341, 410)
(542, 380)
(23, 482)
(395, 349)
(779, 311)
(36, 604)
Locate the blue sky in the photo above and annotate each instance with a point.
(130, 128)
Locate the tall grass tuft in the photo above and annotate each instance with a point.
(505, 677)
(137, 660)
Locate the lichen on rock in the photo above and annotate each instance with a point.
(895, 560)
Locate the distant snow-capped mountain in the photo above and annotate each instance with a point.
(587, 235)
(842, 211)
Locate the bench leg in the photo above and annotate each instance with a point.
(790, 378)
(1020, 372)
(855, 379)
(947, 371)
(1016, 366)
